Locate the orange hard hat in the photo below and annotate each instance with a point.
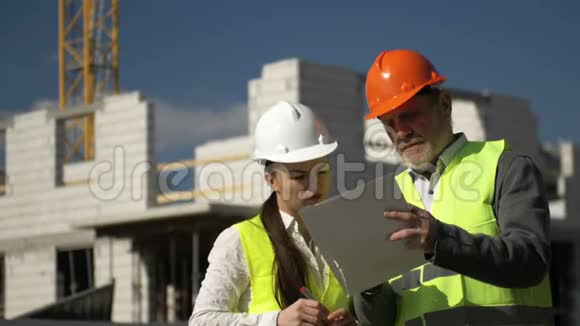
(395, 77)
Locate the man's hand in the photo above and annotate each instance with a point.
(418, 228)
(342, 317)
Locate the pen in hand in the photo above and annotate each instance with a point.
(306, 294)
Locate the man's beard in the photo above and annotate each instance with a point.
(425, 162)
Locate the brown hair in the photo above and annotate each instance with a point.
(289, 264)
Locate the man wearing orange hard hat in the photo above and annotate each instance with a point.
(480, 214)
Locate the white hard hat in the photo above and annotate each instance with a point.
(289, 133)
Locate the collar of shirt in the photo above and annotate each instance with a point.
(288, 220)
(311, 252)
(293, 228)
(446, 156)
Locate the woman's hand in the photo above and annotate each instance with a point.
(342, 317)
(304, 312)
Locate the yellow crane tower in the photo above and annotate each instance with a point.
(88, 51)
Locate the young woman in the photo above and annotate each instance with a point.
(259, 268)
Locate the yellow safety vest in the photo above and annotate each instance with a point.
(431, 295)
(259, 255)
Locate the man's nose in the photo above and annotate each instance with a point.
(398, 129)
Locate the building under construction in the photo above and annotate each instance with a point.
(72, 227)
(92, 227)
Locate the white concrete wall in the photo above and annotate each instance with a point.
(336, 95)
(30, 280)
(278, 82)
(37, 206)
(511, 118)
(467, 118)
(123, 134)
(114, 260)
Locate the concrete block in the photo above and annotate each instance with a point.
(134, 113)
(121, 101)
(29, 272)
(315, 71)
(28, 184)
(18, 201)
(281, 69)
(63, 211)
(39, 290)
(26, 134)
(568, 159)
(122, 245)
(77, 171)
(26, 189)
(467, 119)
(127, 108)
(29, 119)
(18, 156)
(32, 229)
(119, 208)
(332, 87)
(17, 167)
(122, 271)
(223, 148)
(18, 222)
(264, 102)
(32, 209)
(68, 193)
(31, 176)
(499, 116)
(274, 86)
(331, 94)
(16, 171)
(131, 193)
(29, 145)
(253, 87)
(6, 201)
(39, 276)
(68, 240)
(13, 157)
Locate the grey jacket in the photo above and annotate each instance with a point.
(518, 258)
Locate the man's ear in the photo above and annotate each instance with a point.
(445, 104)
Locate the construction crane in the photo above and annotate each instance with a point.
(88, 51)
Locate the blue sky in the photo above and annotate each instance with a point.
(196, 57)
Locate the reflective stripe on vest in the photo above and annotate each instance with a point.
(464, 198)
(413, 278)
(476, 315)
(259, 255)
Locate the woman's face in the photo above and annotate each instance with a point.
(300, 184)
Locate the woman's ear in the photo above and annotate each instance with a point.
(271, 181)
